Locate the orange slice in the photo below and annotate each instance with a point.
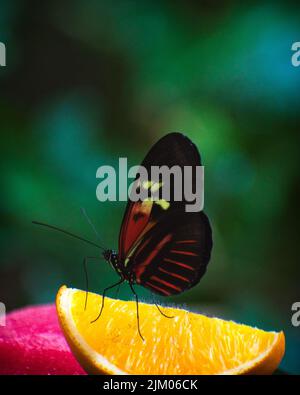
(189, 343)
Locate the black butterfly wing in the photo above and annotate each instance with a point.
(174, 149)
(173, 256)
(166, 248)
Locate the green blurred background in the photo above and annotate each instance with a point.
(89, 82)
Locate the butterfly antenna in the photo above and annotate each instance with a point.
(84, 213)
(68, 233)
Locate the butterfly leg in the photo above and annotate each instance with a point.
(103, 297)
(137, 310)
(85, 260)
(158, 308)
(162, 313)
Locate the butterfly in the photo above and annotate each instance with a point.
(162, 246)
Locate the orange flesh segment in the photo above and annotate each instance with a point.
(189, 343)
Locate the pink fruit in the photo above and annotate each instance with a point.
(32, 343)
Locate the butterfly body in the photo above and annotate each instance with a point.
(112, 257)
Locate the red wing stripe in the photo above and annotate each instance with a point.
(158, 288)
(179, 263)
(166, 283)
(141, 268)
(174, 275)
(186, 242)
(183, 252)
